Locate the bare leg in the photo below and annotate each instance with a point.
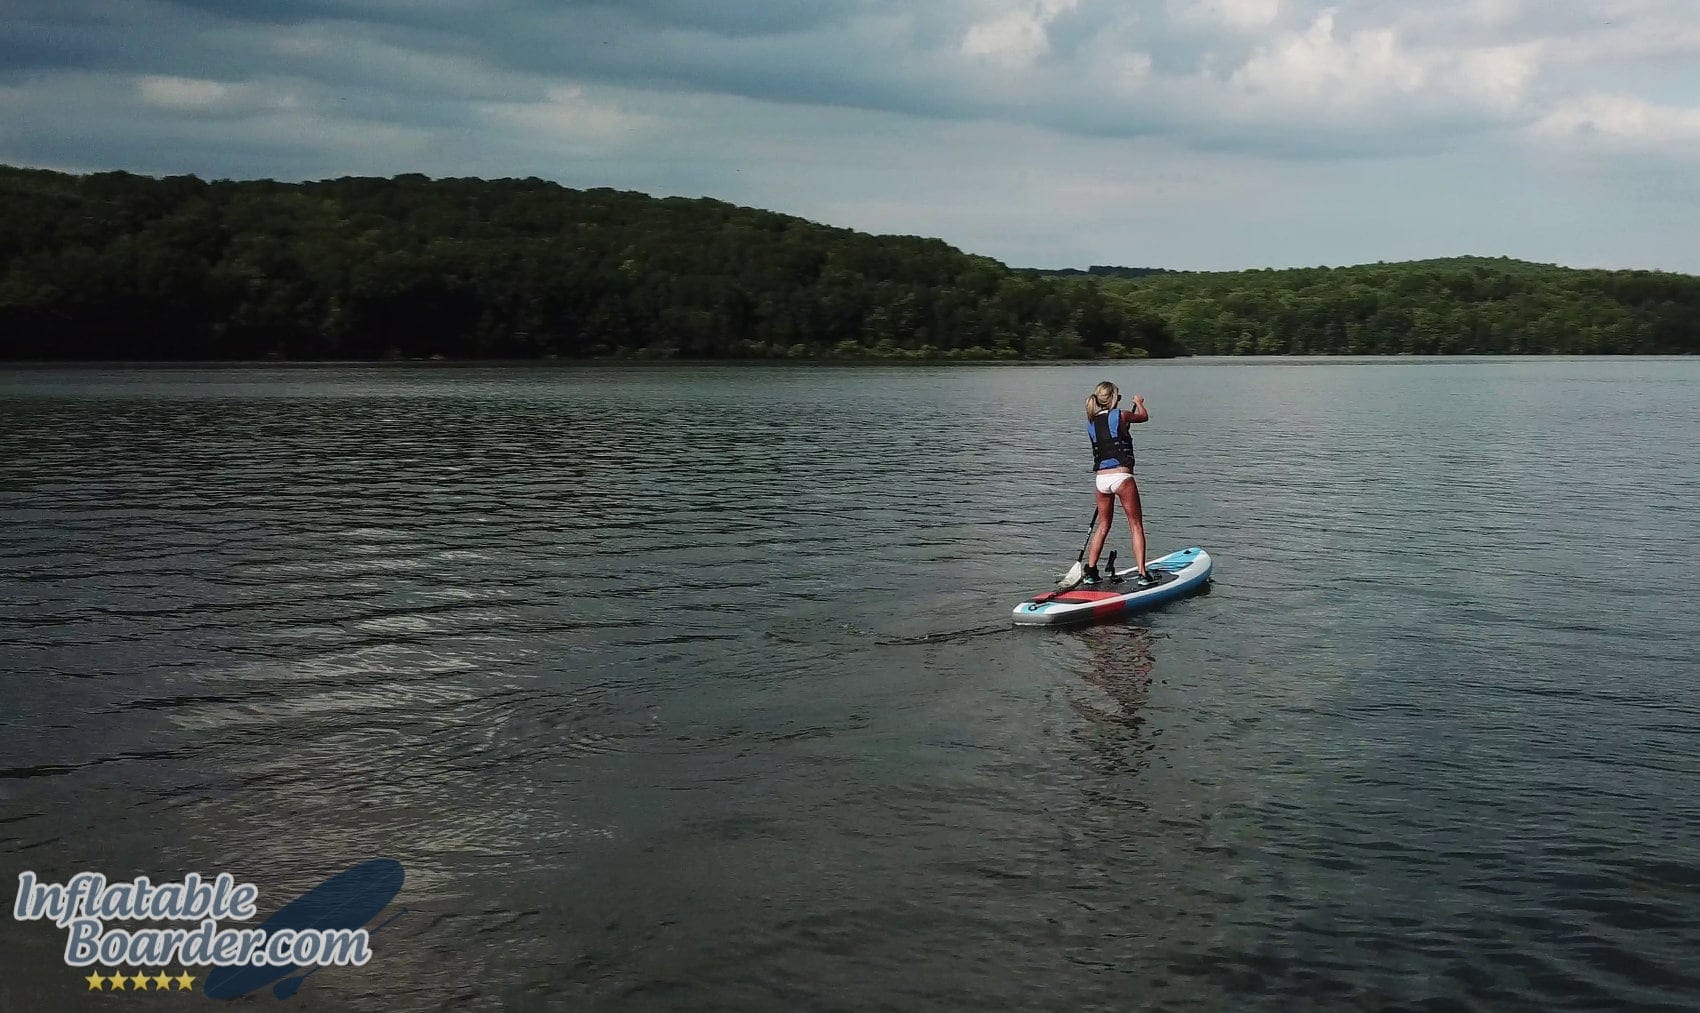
(1129, 495)
(1100, 532)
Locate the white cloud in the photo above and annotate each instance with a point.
(182, 92)
(189, 97)
(1661, 35)
(1371, 84)
(1018, 36)
(1607, 122)
(1498, 77)
(568, 116)
(1316, 65)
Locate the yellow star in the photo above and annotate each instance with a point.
(138, 982)
(95, 981)
(184, 981)
(114, 982)
(160, 981)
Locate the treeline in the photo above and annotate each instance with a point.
(1095, 271)
(120, 266)
(1462, 306)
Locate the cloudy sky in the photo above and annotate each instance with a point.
(1179, 133)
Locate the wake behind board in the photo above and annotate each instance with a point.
(1181, 573)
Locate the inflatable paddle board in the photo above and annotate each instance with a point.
(1181, 573)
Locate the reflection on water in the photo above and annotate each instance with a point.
(695, 687)
(1119, 666)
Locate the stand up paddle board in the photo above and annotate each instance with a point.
(1180, 573)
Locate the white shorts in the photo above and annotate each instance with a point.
(1110, 481)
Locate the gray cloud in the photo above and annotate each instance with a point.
(1024, 104)
(1289, 78)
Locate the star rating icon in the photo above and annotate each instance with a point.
(138, 982)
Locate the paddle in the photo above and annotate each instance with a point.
(289, 986)
(1076, 573)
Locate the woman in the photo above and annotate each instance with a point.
(1112, 461)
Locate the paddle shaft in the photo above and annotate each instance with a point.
(1079, 560)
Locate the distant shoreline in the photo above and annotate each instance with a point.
(622, 363)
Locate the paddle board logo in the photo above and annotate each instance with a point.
(324, 927)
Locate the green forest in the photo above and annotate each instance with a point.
(120, 266)
(1459, 306)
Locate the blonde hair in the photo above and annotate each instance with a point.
(1105, 396)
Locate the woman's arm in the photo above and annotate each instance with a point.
(1139, 414)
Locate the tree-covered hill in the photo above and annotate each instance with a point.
(1464, 305)
(120, 266)
(1095, 271)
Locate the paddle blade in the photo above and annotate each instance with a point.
(1075, 572)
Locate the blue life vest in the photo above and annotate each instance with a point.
(1112, 446)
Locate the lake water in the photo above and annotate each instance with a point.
(694, 687)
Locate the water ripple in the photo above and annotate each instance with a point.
(695, 687)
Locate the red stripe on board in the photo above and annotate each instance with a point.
(1079, 596)
(1109, 608)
